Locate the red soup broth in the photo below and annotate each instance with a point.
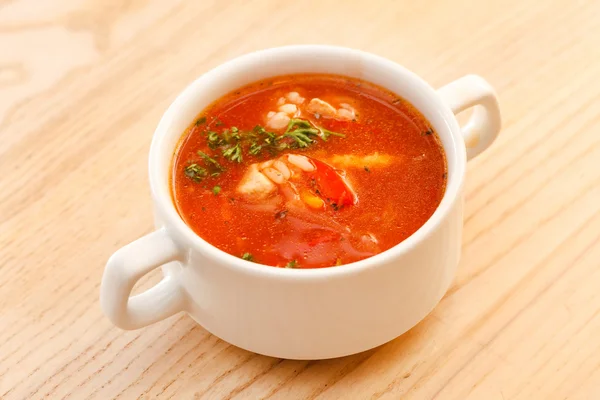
(308, 171)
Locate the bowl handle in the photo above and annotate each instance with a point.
(125, 267)
(484, 125)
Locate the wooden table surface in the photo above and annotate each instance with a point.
(83, 84)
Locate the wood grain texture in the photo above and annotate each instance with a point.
(83, 84)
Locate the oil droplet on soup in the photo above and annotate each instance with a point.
(308, 171)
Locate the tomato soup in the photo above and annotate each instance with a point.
(308, 171)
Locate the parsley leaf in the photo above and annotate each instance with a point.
(195, 172)
(298, 123)
(302, 136)
(255, 148)
(325, 133)
(259, 129)
(210, 161)
(234, 153)
(214, 140)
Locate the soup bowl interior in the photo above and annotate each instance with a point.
(291, 60)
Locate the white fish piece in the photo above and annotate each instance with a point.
(281, 167)
(255, 184)
(294, 97)
(274, 175)
(289, 109)
(278, 121)
(263, 179)
(301, 162)
(345, 114)
(374, 160)
(323, 108)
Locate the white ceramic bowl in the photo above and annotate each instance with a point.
(302, 313)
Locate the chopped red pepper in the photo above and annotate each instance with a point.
(331, 186)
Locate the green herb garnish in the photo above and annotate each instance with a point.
(255, 148)
(301, 132)
(248, 257)
(210, 161)
(195, 172)
(231, 135)
(200, 121)
(325, 133)
(259, 129)
(292, 264)
(271, 143)
(234, 153)
(298, 123)
(216, 190)
(302, 137)
(214, 140)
